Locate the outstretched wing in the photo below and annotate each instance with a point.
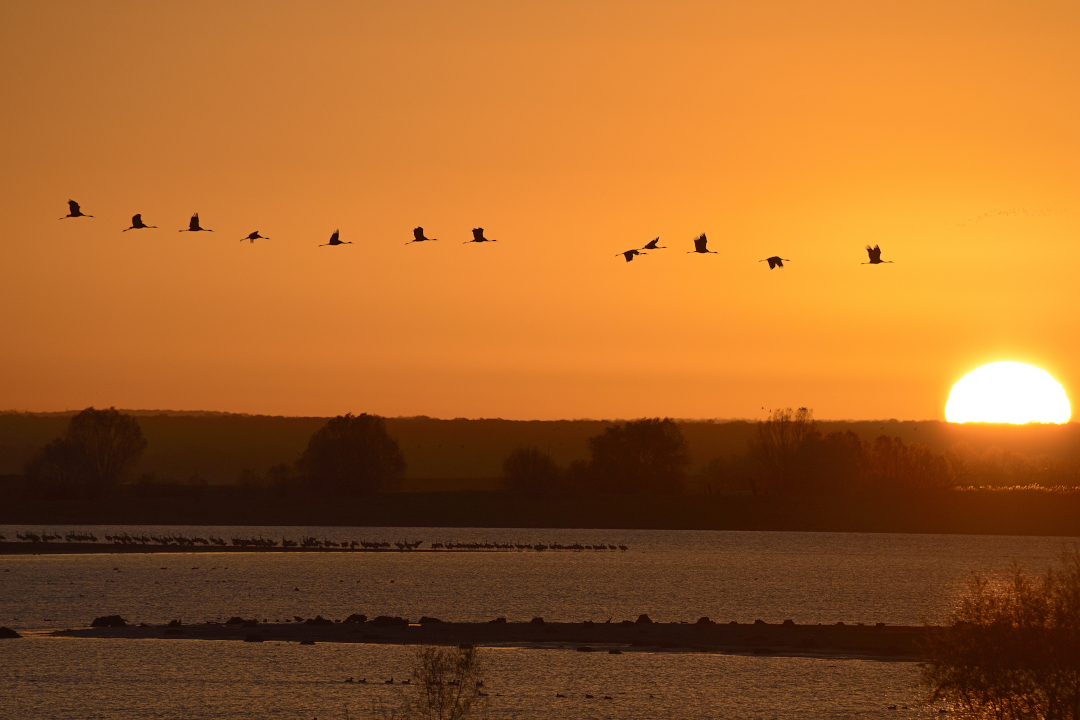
(418, 234)
(334, 238)
(136, 220)
(193, 224)
(478, 234)
(700, 243)
(73, 207)
(651, 245)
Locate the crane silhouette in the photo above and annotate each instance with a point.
(875, 256)
(418, 236)
(137, 223)
(653, 246)
(629, 254)
(478, 236)
(253, 237)
(335, 240)
(74, 211)
(699, 245)
(775, 261)
(193, 225)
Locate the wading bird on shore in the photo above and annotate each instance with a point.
(253, 237)
(478, 236)
(138, 224)
(653, 246)
(875, 256)
(334, 240)
(74, 211)
(193, 225)
(629, 254)
(699, 245)
(418, 236)
(775, 261)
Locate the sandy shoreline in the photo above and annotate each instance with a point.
(851, 641)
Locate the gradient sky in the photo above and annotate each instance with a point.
(947, 132)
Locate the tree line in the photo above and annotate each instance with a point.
(786, 456)
(355, 455)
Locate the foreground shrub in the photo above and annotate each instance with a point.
(1014, 648)
(446, 684)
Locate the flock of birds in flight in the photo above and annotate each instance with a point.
(700, 242)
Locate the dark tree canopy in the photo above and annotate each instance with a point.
(92, 456)
(531, 471)
(352, 455)
(648, 455)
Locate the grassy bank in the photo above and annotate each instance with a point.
(1016, 512)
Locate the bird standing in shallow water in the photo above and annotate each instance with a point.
(478, 236)
(138, 224)
(335, 240)
(629, 254)
(193, 225)
(775, 261)
(653, 246)
(253, 237)
(700, 243)
(875, 256)
(74, 211)
(418, 236)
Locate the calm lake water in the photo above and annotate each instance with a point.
(671, 575)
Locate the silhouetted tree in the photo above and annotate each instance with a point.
(98, 447)
(731, 475)
(352, 455)
(531, 471)
(1013, 650)
(776, 448)
(648, 455)
(794, 459)
(899, 466)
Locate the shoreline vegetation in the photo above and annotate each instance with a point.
(878, 642)
(967, 512)
(786, 473)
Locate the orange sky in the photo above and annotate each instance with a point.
(947, 132)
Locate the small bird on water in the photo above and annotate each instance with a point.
(74, 211)
(775, 261)
(138, 224)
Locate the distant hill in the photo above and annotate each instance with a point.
(218, 446)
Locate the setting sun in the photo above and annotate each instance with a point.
(1007, 392)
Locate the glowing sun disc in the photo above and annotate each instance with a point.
(1007, 392)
